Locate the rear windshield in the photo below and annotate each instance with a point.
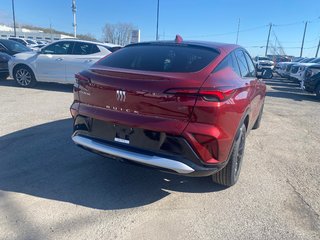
(15, 46)
(161, 58)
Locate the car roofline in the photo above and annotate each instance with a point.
(225, 47)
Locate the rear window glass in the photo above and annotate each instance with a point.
(161, 58)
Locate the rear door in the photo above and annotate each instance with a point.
(137, 85)
(249, 77)
(83, 56)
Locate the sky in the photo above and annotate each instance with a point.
(209, 20)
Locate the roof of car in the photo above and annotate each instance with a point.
(85, 41)
(215, 45)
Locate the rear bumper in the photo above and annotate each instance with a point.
(166, 163)
(173, 153)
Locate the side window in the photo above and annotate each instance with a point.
(252, 70)
(230, 62)
(59, 48)
(81, 48)
(2, 48)
(235, 64)
(95, 49)
(242, 64)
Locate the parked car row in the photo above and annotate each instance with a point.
(303, 70)
(30, 43)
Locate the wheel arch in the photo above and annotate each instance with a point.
(22, 65)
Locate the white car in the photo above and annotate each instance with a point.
(57, 62)
(298, 70)
(263, 62)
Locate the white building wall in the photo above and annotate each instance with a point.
(6, 32)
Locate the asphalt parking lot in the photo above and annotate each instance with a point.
(51, 189)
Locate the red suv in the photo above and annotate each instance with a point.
(181, 106)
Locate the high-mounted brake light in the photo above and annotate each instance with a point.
(178, 39)
(211, 95)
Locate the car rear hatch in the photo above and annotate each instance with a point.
(144, 100)
(142, 86)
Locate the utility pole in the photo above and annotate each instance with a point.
(304, 34)
(318, 49)
(238, 31)
(51, 31)
(74, 10)
(157, 33)
(14, 19)
(267, 46)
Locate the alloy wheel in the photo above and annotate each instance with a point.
(23, 77)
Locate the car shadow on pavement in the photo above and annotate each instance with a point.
(283, 88)
(42, 161)
(56, 87)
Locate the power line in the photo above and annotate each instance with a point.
(288, 24)
(227, 33)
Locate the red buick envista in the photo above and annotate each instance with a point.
(184, 107)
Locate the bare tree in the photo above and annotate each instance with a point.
(88, 37)
(119, 33)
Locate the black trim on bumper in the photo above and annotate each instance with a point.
(146, 144)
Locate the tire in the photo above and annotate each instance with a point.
(4, 76)
(258, 121)
(318, 92)
(24, 76)
(267, 73)
(229, 175)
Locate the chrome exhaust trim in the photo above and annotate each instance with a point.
(161, 162)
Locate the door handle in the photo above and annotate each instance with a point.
(59, 59)
(88, 61)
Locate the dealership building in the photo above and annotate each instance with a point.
(6, 32)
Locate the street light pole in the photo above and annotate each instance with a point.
(157, 33)
(14, 19)
(74, 10)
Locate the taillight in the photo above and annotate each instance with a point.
(208, 94)
(214, 95)
(81, 78)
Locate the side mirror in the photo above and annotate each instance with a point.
(39, 50)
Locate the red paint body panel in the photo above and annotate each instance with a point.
(148, 105)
